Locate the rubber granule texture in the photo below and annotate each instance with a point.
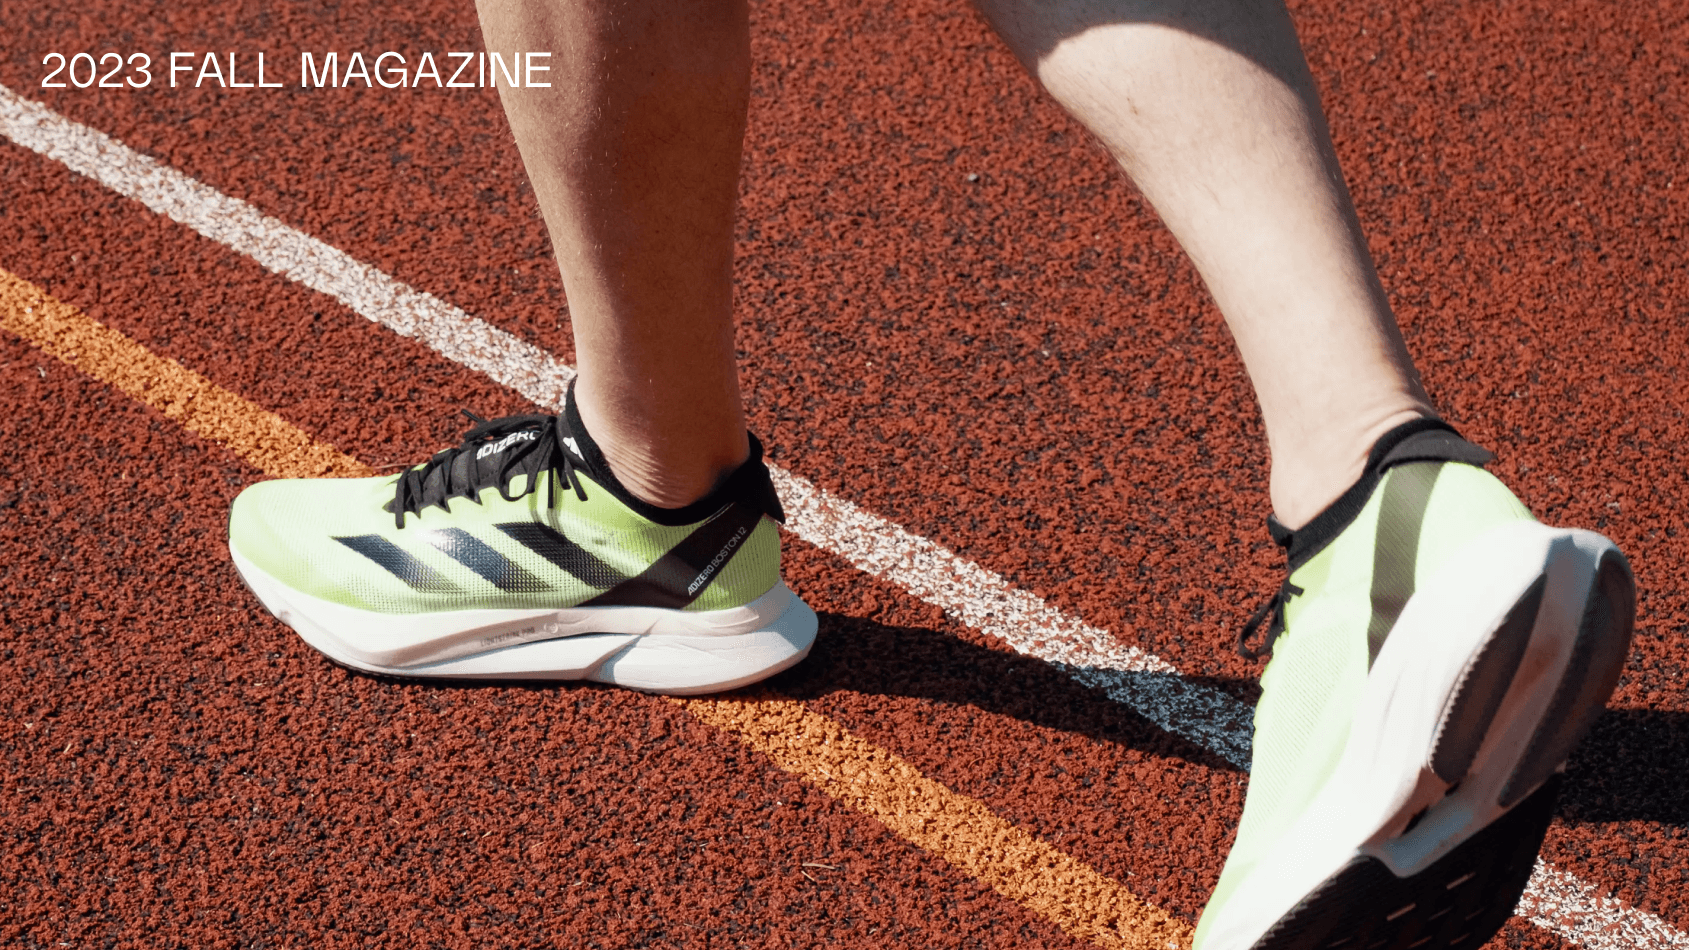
(954, 312)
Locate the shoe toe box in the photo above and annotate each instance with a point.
(289, 528)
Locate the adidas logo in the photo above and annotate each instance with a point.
(526, 435)
(573, 447)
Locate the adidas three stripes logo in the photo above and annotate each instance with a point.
(673, 580)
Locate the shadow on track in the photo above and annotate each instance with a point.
(859, 655)
(1633, 767)
(1630, 768)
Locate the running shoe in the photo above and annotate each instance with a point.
(1436, 655)
(518, 555)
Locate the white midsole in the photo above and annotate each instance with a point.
(1384, 776)
(642, 647)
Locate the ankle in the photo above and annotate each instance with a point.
(667, 480)
(667, 460)
(1309, 475)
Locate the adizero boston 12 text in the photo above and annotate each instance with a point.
(1436, 654)
(518, 555)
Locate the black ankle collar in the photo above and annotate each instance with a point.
(1421, 440)
(749, 483)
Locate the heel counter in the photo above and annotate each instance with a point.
(752, 571)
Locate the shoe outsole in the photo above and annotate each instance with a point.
(1458, 903)
(1463, 898)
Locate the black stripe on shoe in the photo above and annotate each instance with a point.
(495, 568)
(678, 577)
(1401, 515)
(564, 553)
(1422, 440)
(399, 563)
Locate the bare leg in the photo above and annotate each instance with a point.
(1209, 106)
(634, 156)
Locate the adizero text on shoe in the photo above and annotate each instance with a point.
(518, 555)
(1395, 759)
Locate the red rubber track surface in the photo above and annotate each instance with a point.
(1019, 365)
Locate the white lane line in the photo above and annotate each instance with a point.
(977, 597)
(986, 602)
(285, 250)
(1557, 901)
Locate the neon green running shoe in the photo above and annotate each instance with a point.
(518, 555)
(1436, 654)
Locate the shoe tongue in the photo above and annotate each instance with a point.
(493, 455)
(582, 450)
(479, 465)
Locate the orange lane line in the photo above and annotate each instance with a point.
(960, 830)
(269, 442)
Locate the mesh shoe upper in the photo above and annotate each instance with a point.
(523, 514)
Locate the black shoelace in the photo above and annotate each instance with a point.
(456, 473)
(1274, 608)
